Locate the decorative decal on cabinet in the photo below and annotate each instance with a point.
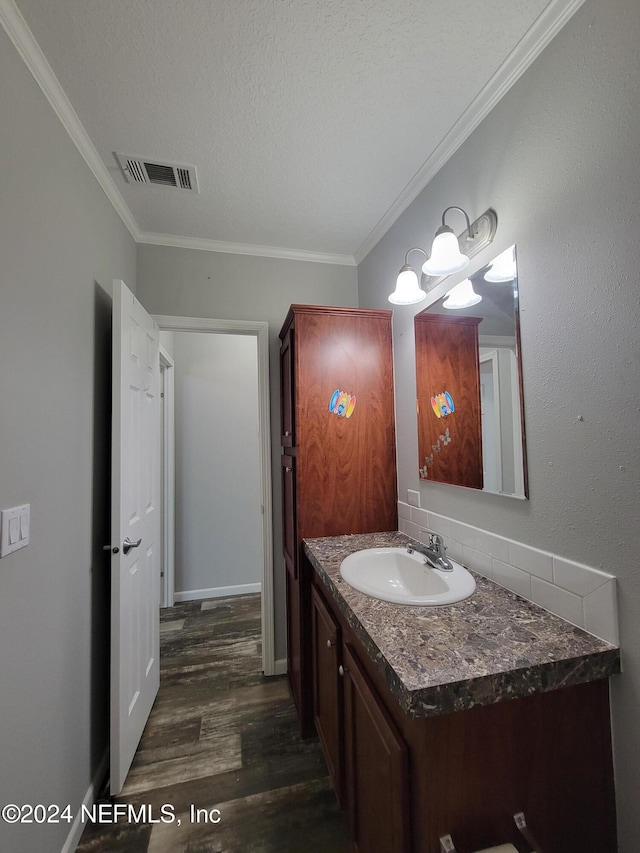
(424, 472)
(442, 405)
(446, 438)
(342, 404)
(443, 440)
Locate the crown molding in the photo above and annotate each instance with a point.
(206, 245)
(537, 37)
(25, 43)
(551, 20)
(18, 31)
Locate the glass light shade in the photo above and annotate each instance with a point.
(407, 289)
(446, 257)
(462, 296)
(503, 268)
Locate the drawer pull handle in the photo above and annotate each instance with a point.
(341, 671)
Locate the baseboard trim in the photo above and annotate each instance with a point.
(75, 833)
(280, 667)
(217, 592)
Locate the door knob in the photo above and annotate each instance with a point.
(330, 643)
(127, 545)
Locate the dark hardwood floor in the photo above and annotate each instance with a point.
(222, 737)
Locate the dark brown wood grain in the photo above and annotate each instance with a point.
(548, 756)
(345, 468)
(347, 471)
(447, 360)
(377, 766)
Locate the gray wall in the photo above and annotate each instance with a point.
(558, 160)
(218, 540)
(192, 283)
(61, 244)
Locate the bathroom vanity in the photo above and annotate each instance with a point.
(450, 720)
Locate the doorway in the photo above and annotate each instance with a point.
(264, 548)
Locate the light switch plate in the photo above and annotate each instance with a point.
(14, 528)
(413, 497)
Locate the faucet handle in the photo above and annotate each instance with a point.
(436, 542)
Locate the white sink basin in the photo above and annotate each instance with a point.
(392, 574)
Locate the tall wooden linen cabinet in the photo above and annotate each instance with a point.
(338, 459)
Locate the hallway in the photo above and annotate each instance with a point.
(222, 737)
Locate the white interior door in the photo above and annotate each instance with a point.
(135, 527)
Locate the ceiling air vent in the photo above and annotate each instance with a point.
(137, 170)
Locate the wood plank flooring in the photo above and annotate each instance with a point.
(222, 736)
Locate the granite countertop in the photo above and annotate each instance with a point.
(436, 660)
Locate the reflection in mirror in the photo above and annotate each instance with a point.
(469, 384)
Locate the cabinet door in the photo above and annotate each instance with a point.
(287, 402)
(289, 530)
(327, 687)
(377, 767)
(346, 465)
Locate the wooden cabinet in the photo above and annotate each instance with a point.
(377, 766)
(337, 412)
(326, 643)
(409, 781)
(448, 372)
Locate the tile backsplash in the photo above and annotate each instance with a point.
(583, 596)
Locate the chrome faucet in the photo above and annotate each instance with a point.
(435, 552)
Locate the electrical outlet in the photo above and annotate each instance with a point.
(413, 497)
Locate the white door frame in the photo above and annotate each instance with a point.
(491, 355)
(167, 583)
(260, 331)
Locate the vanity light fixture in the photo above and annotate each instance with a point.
(503, 268)
(408, 290)
(462, 296)
(446, 257)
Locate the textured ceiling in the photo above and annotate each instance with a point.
(306, 121)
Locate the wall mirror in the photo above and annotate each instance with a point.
(469, 384)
